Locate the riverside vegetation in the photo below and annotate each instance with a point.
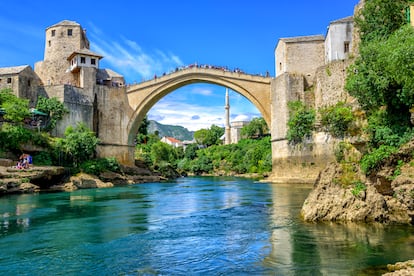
(74, 153)
(373, 178)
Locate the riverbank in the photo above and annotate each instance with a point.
(55, 178)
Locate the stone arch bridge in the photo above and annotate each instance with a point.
(142, 96)
(122, 110)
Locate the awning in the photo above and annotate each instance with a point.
(34, 111)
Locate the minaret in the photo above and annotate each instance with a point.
(227, 137)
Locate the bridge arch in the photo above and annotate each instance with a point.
(142, 97)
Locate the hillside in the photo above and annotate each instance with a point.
(178, 132)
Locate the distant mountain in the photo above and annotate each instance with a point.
(177, 132)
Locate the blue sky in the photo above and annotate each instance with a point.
(139, 39)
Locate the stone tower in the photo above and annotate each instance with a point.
(62, 41)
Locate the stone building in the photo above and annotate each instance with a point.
(22, 80)
(338, 41)
(70, 72)
(300, 55)
(235, 131)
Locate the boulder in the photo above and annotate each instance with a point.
(86, 181)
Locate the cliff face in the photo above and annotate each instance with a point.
(384, 196)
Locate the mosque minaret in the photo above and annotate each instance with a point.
(227, 133)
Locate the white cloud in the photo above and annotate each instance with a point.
(128, 58)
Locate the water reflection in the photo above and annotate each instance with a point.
(330, 248)
(204, 225)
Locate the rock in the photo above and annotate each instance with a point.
(115, 178)
(24, 188)
(329, 201)
(6, 162)
(401, 268)
(86, 181)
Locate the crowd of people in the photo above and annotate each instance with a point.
(24, 162)
(205, 66)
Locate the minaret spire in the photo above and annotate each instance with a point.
(227, 137)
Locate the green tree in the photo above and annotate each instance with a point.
(16, 109)
(162, 152)
(79, 143)
(142, 136)
(256, 128)
(337, 119)
(191, 151)
(381, 77)
(380, 18)
(209, 137)
(301, 121)
(54, 108)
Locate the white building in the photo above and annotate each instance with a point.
(338, 41)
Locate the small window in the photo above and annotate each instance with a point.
(28, 83)
(346, 47)
(8, 80)
(49, 43)
(69, 32)
(53, 32)
(93, 61)
(83, 60)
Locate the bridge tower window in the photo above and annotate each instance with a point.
(83, 60)
(69, 32)
(53, 32)
(93, 61)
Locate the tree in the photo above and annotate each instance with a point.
(301, 121)
(16, 109)
(54, 108)
(142, 135)
(79, 143)
(382, 76)
(209, 137)
(256, 128)
(337, 119)
(380, 18)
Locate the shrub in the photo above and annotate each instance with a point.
(300, 123)
(358, 187)
(337, 119)
(372, 161)
(97, 166)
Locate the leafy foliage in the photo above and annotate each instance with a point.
(301, 121)
(256, 128)
(380, 18)
(11, 136)
(209, 137)
(78, 145)
(371, 161)
(337, 119)
(54, 108)
(16, 109)
(97, 166)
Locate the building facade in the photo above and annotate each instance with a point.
(338, 41)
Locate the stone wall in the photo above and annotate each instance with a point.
(300, 55)
(113, 115)
(299, 163)
(330, 84)
(80, 106)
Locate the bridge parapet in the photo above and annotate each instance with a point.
(213, 71)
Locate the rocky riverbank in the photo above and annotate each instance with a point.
(54, 178)
(343, 192)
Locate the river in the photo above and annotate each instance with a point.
(190, 226)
